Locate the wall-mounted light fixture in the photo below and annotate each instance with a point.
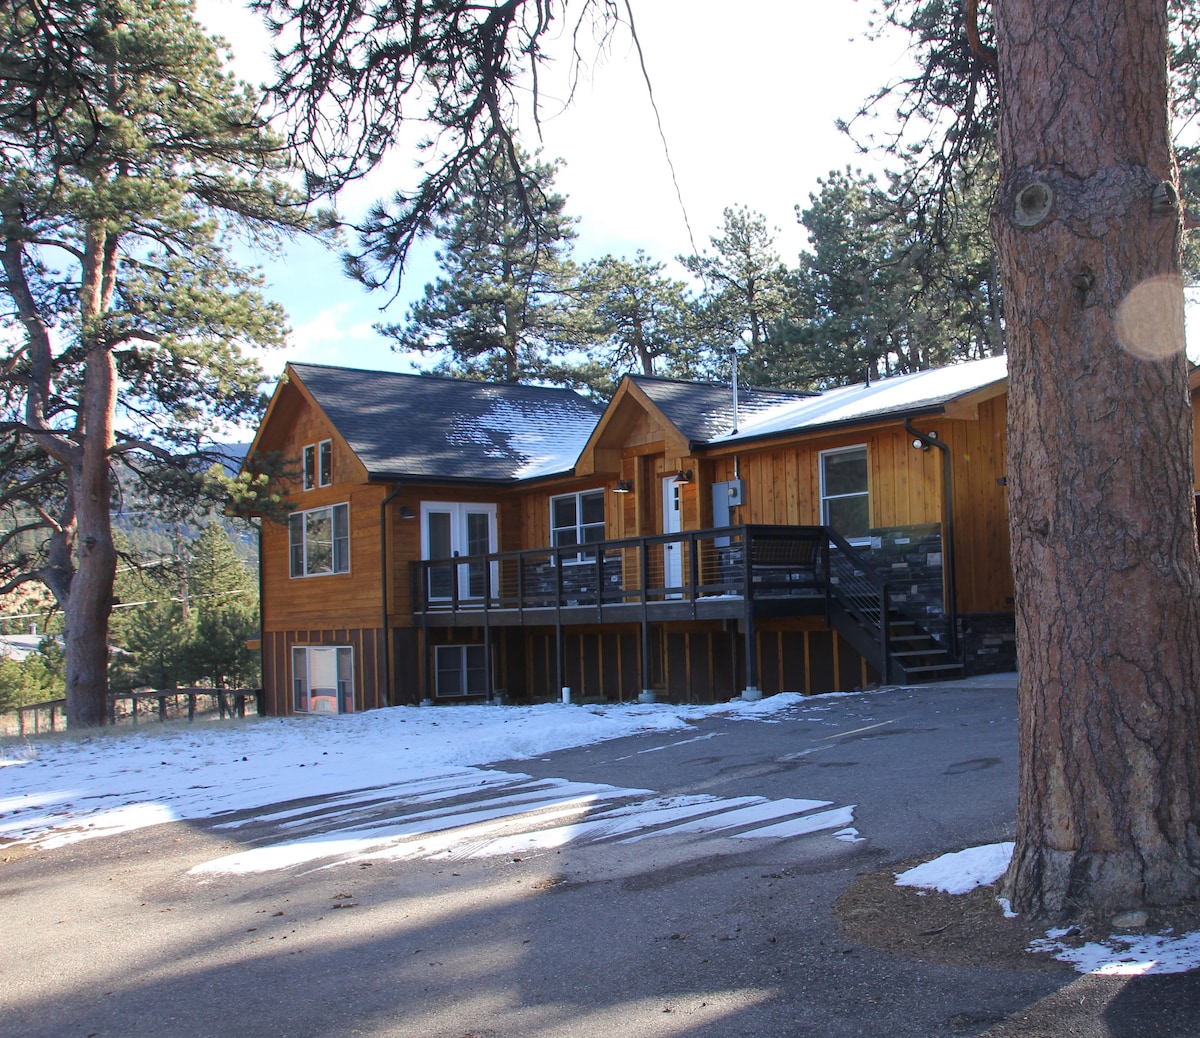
(407, 513)
(683, 476)
(624, 486)
(922, 443)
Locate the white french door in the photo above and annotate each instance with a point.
(450, 529)
(672, 523)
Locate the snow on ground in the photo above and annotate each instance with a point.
(960, 872)
(56, 791)
(1128, 955)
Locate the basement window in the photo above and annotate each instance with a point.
(461, 670)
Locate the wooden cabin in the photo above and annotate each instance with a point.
(450, 540)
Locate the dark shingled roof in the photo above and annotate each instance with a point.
(703, 411)
(423, 427)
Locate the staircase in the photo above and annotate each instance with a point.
(859, 608)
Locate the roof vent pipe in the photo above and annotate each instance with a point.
(734, 365)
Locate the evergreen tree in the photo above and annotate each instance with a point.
(223, 599)
(129, 157)
(878, 298)
(747, 295)
(501, 309)
(634, 319)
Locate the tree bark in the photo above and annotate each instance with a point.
(1100, 467)
(89, 604)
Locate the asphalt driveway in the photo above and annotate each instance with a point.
(629, 916)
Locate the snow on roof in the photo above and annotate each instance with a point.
(922, 390)
(420, 426)
(538, 441)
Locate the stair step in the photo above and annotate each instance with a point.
(930, 668)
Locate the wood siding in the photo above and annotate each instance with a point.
(694, 663)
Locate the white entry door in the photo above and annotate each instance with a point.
(672, 523)
(451, 529)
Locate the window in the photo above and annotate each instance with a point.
(461, 670)
(318, 464)
(451, 529)
(577, 518)
(845, 499)
(322, 679)
(319, 541)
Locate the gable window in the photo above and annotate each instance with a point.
(319, 541)
(577, 518)
(318, 464)
(322, 679)
(845, 496)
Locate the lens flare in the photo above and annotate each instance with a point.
(1150, 319)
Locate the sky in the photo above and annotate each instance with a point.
(432, 766)
(748, 106)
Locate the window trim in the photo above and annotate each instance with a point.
(302, 572)
(340, 699)
(318, 465)
(463, 650)
(825, 498)
(579, 526)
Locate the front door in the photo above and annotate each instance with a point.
(672, 523)
(451, 529)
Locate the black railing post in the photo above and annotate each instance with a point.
(885, 603)
(694, 568)
(747, 565)
(599, 583)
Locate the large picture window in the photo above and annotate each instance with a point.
(845, 495)
(319, 541)
(322, 679)
(577, 518)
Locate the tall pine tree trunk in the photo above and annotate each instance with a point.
(89, 603)
(1100, 466)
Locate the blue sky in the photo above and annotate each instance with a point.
(748, 106)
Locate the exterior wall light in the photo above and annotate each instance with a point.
(624, 486)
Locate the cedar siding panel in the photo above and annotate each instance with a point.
(354, 598)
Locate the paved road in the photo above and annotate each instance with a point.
(662, 885)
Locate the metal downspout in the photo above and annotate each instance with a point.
(947, 532)
(383, 569)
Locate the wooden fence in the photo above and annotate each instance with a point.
(175, 704)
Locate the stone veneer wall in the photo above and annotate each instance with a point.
(910, 559)
(988, 642)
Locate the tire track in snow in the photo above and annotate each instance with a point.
(479, 813)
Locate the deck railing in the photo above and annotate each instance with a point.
(727, 562)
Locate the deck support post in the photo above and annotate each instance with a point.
(751, 691)
(647, 694)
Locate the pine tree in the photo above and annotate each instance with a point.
(223, 596)
(501, 309)
(747, 294)
(129, 159)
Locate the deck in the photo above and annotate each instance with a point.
(715, 574)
